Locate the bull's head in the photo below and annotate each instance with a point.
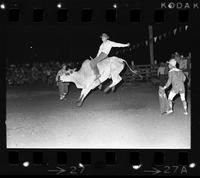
(68, 76)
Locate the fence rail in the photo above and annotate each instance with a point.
(147, 71)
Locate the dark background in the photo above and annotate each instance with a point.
(75, 40)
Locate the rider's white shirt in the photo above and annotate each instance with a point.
(107, 45)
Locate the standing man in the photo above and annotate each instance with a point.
(176, 78)
(103, 52)
(161, 73)
(63, 86)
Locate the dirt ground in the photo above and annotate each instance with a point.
(128, 118)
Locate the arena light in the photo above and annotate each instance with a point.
(136, 167)
(192, 165)
(26, 164)
(115, 5)
(59, 5)
(3, 6)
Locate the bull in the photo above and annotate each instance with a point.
(109, 68)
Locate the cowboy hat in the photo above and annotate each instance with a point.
(104, 35)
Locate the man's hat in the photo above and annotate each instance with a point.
(162, 64)
(64, 64)
(172, 62)
(104, 35)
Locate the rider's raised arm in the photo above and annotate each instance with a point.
(114, 44)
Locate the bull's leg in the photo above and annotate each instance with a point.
(80, 100)
(107, 89)
(80, 97)
(116, 68)
(116, 80)
(79, 104)
(84, 94)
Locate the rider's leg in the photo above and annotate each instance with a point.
(95, 68)
(96, 60)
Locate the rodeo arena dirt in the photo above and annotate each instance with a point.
(128, 116)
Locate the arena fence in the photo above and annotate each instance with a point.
(147, 71)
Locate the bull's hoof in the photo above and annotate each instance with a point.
(79, 104)
(100, 87)
(113, 89)
(77, 101)
(107, 89)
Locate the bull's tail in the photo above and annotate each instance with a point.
(134, 72)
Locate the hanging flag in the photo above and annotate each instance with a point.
(160, 37)
(155, 38)
(186, 27)
(146, 42)
(175, 31)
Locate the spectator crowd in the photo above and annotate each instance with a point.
(44, 72)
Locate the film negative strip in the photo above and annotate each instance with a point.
(129, 64)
